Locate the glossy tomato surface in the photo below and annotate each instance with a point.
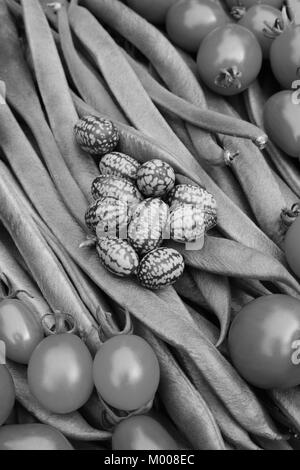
(264, 342)
(227, 47)
(249, 3)
(142, 433)
(255, 20)
(126, 372)
(291, 245)
(60, 373)
(285, 56)
(282, 121)
(152, 10)
(189, 21)
(19, 329)
(32, 437)
(7, 394)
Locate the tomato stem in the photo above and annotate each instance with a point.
(7, 290)
(61, 323)
(288, 216)
(108, 327)
(229, 78)
(237, 12)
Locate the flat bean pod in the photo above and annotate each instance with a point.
(216, 292)
(87, 83)
(206, 119)
(55, 93)
(21, 95)
(184, 404)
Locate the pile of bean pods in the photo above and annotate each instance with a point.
(149, 202)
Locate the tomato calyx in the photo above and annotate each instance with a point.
(111, 417)
(7, 291)
(229, 78)
(108, 326)
(288, 216)
(272, 31)
(237, 12)
(60, 323)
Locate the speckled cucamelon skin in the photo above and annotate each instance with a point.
(148, 221)
(189, 194)
(155, 178)
(119, 164)
(108, 214)
(114, 186)
(96, 135)
(117, 256)
(187, 223)
(160, 268)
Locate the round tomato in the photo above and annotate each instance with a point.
(291, 245)
(264, 342)
(19, 329)
(249, 3)
(142, 433)
(7, 394)
(229, 59)
(256, 20)
(32, 437)
(285, 56)
(60, 373)
(126, 372)
(152, 10)
(189, 21)
(282, 121)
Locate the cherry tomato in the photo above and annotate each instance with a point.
(7, 394)
(291, 245)
(229, 59)
(249, 3)
(264, 342)
(60, 373)
(256, 20)
(285, 56)
(126, 372)
(189, 21)
(142, 433)
(32, 437)
(282, 121)
(152, 10)
(19, 329)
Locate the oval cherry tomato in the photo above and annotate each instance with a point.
(60, 373)
(142, 433)
(291, 245)
(229, 59)
(126, 372)
(256, 20)
(19, 329)
(32, 437)
(249, 3)
(152, 10)
(7, 394)
(264, 342)
(189, 21)
(285, 56)
(282, 121)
